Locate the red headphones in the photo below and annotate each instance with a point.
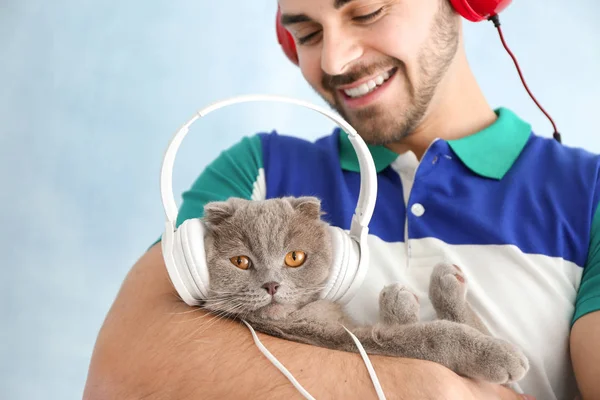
(472, 10)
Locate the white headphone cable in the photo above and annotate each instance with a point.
(279, 365)
(288, 374)
(365, 357)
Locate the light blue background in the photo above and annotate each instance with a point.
(90, 94)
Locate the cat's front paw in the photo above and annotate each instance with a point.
(499, 362)
(398, 305)
(447, 290)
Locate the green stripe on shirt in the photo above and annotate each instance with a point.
(232, 174)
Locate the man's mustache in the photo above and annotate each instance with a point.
(330, 82)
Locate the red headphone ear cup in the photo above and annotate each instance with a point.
(479, 10)
(286, 40)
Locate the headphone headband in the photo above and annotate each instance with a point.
(368, 175)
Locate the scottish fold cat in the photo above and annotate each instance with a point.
(268, 260)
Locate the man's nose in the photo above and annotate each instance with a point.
(271, 287)
(339, 51)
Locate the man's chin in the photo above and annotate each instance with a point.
(374, 126)
(360, 117)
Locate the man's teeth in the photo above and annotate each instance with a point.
(368, 86)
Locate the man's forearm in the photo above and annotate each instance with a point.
(585, 354)
(153, 346)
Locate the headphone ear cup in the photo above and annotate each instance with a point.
(189, 243)
(345, 261)
(479, 10)
(285, 39)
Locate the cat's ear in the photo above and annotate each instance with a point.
(307, 205)
(216, 212)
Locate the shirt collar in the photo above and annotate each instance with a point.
(490, 152)
(382, 156)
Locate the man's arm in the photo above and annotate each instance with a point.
(585, 353)
(585, 331)
(153, 346)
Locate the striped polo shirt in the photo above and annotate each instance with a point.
(516, 211)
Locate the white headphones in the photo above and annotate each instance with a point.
(183, 247)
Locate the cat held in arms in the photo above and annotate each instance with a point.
(269, 259)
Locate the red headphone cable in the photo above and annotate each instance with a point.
(496, 20)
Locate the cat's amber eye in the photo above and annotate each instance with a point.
(295, 259)
(242, 262)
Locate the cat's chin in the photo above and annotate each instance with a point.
(275, 311)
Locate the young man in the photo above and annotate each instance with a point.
(457, 180)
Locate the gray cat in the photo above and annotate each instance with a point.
(268, 260)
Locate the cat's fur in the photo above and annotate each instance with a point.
(265, 231)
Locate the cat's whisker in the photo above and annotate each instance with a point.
(228, 296)
(199, 333)
(193, 310)
(216, 316)
(226, 304)
(207, 314)
(232, 291)
(308, 290)
(213, 302)
(210, 317)
(207, 324)
(197, 308)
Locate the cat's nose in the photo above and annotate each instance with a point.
(271, 287)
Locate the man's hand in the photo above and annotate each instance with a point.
(153, 346)
(585, 354)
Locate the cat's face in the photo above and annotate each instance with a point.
(266, 257)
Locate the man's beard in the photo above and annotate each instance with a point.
(379, 126)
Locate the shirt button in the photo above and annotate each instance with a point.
(417, 209)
